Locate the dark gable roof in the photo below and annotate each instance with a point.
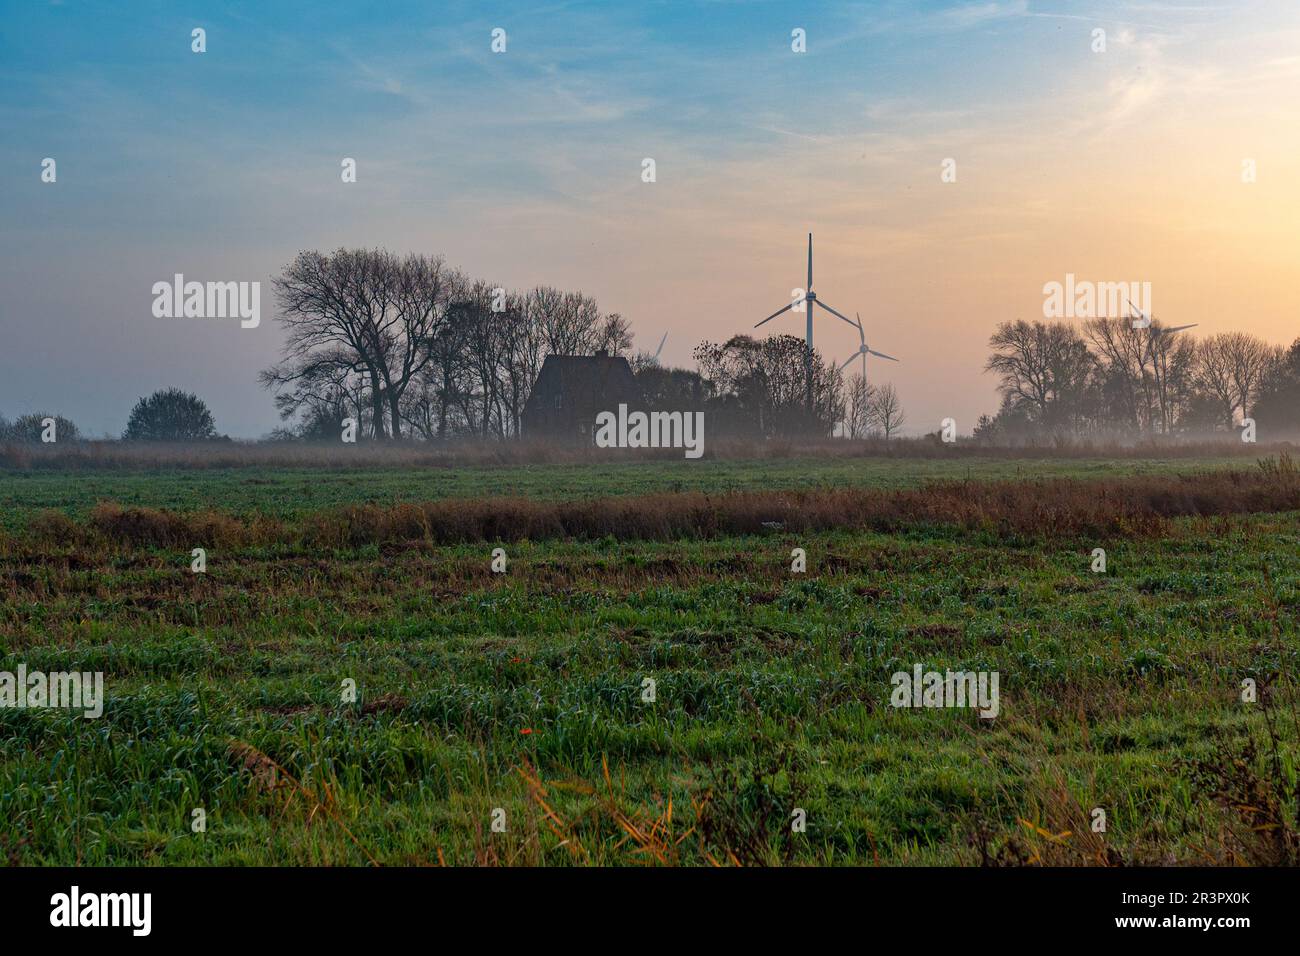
(585, 381)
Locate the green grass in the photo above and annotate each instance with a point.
(772, 687)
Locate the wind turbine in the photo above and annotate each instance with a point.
(1146, 323)
(1160, 361)
(809, 300)
(1156, 332)
(864, 351)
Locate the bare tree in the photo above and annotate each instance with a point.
(362, 312)
(1278, 403)
(1172, 358)
(1021, 358)
(329, 327)
(328, 389)
(1122, 353)
(1249, 358)
(482, 341)
(413, 295)
(887, 410)
(570, 323)
(858, 396)
(523, 349)
(1044, 366)
(614, 335)
(1231, 367)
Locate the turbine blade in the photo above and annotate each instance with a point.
(1179, 328)
(850, 360)
(778, 312)
(661, 346)
(1141, 314)
(882, 355)
(833, 312)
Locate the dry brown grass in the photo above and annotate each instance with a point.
(161, 528)
(272, 778)
(1139, 505)
(649, 832)
(1059, 834)
(1057, 507)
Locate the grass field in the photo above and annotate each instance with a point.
(523, 692)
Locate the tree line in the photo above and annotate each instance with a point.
(1108, 379)
(410, 347)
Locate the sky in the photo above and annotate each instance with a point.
(525, 168)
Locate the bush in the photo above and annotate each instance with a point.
(31, 429)
(51, 525)
(170, 415)
(166, 529)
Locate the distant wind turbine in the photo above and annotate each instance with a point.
(1159, 360)
(864, 351)
(1146, 323)
(809, 299)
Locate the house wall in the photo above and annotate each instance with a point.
(584, 389)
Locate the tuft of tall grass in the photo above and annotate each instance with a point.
(161, 528)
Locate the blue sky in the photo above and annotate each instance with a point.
(524, 168)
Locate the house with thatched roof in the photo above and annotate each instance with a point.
(571, 390)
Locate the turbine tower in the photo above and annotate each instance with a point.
(809, 300)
